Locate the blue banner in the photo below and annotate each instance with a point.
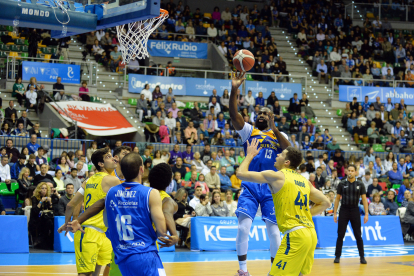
(62, 243)
(219, 233)
(49, 72)
(137, 83)
(283, 90)
(348, 92)
(379, 230)
(14, 237)
(163, 48)
(204, 87)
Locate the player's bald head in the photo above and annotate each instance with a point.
(131, 165)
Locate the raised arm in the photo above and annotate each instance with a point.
(258, 177)
(157, 216)
(321, 201)
(283, 141)
(236, 118)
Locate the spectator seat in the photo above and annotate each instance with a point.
(25, 55)
(378, 148)
(14, 54)
(284, 110)
(4, 47)
(15, 48)
(339, 112)
(24, 48)
(204, 106)
(383, 185)
(132, 102)
(47, 58)
(189, 105)
(396, 186)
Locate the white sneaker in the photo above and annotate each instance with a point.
(242, 273)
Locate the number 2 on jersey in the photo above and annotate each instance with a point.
(268, 154)
(124, 228)
(298, 201)
(88, 198)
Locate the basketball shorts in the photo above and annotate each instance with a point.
(143, 264)
(253, 194)
(114, 268)
(91, 249)
(296, 253)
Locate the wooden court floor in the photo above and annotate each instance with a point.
(378, 266)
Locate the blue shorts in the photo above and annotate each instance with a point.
(143, 264)
(251, 196)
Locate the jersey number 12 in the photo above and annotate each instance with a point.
(123, 225)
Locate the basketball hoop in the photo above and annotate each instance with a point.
(133, 37)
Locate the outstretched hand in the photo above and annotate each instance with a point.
(237, 79)
(253, 149)
(271, 120)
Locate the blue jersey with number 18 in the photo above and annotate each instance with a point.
(129, 220)
(266, 158)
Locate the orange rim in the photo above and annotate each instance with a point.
(163, 12)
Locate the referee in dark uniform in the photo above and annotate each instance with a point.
(351, 190)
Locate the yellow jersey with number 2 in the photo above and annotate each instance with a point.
(93, 193)
(292, 202)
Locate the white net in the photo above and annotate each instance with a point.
(133, 37)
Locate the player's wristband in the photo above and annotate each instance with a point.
(40, 202)
(81, 190)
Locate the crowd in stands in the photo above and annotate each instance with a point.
(166, 123)
(373, 122)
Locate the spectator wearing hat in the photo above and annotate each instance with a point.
(17, 167)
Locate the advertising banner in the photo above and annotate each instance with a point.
(348, 92)
(283, 90)
(137, 82)
(14, 237)
(163, 48)
(379, 230)
(219, 233)
(49, 72)
(97, 119)
(204, 87)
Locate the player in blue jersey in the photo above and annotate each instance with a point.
(272, 143)
(131, 208)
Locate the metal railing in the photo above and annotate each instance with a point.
(393, 11)
(89, 70)
(56, 146)
(196, 148)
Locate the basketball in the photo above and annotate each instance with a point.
(243, 60)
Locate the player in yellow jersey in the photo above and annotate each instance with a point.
(160, 177)
(92, 248)
(291, 194)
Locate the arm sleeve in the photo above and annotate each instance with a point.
(339, 189)
(245, 132)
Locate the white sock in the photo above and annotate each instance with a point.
(243, 265)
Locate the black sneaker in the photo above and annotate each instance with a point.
(336, 261)
(363, 261)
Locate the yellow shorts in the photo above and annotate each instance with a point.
(295, 254)
(91, 249)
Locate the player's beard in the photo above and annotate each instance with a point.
(261, 125)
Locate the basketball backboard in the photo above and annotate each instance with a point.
(77, 17)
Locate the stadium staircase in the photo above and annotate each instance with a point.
(319, 95)
(107, 85)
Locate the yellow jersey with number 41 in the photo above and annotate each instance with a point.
(292, 202)
(93, 193)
